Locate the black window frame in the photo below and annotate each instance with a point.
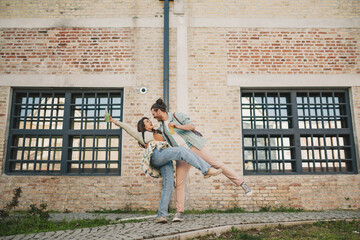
(66, 132)
(296, 132)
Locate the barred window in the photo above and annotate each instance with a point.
(292, 132)
(63, 132)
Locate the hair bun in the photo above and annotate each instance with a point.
(159, 104)
(160, 101)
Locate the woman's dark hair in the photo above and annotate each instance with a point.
(141, 125)
(141, 128)
(159, 104)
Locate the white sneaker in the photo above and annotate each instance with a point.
(161, 220)
(179, 217)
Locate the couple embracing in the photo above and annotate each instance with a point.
(175, 140)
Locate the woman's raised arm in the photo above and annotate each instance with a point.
(133, 132)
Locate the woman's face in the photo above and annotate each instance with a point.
(148, 125)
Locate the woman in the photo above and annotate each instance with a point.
(158, 157)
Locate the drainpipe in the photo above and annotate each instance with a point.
(166, 52)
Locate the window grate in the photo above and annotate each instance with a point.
(64, 133)
(292, 132)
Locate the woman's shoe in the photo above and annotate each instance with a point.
(161, 220)
(179, 217)
(212, 172)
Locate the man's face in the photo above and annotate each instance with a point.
(156, 114)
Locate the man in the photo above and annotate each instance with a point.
(184, 136)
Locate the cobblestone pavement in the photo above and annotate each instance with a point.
(109, 216)
(149, 229)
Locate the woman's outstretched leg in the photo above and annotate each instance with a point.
(178, 153)
(205, 154)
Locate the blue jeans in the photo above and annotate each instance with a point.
(162, 160)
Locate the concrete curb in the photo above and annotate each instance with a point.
(136, 218)
(222, 229)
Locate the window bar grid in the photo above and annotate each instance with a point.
(49, 154)
(282, 153)
(52, 111)
(296, 135)
(26, 109)
(328, 113)
(58, 116)
(352, 153)
(82, 112)
(266, 115)
(322, 110)
(256, 155)
(275, 117)
(32, 114)
(253, 118)
(333, 154)
(338, 150)
(41, 153)
(278, 110)
(34, 143)
(269, 153)
(108, 124)
(313, 151)
(30, 117)
(308, 110)
(96, 107)
(93, 154)
(107, 154)
(65, 137)
(36, 151)
(56, 142)
(22, 153)
(332, 114)
(28, 155)
(83, 152)
(335, 106)
(39, 110)
(326, 155)
(307, 152)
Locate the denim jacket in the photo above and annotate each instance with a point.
(190, 138)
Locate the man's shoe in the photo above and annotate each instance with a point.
(178, 217)
(161, 220)
(246, 188)
(212, 172)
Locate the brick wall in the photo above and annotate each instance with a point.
(214, 107)
(67, 50)
(305, 51)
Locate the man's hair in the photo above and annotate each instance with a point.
(159, 104)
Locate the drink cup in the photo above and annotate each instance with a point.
(171, 130)
(107, 116)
